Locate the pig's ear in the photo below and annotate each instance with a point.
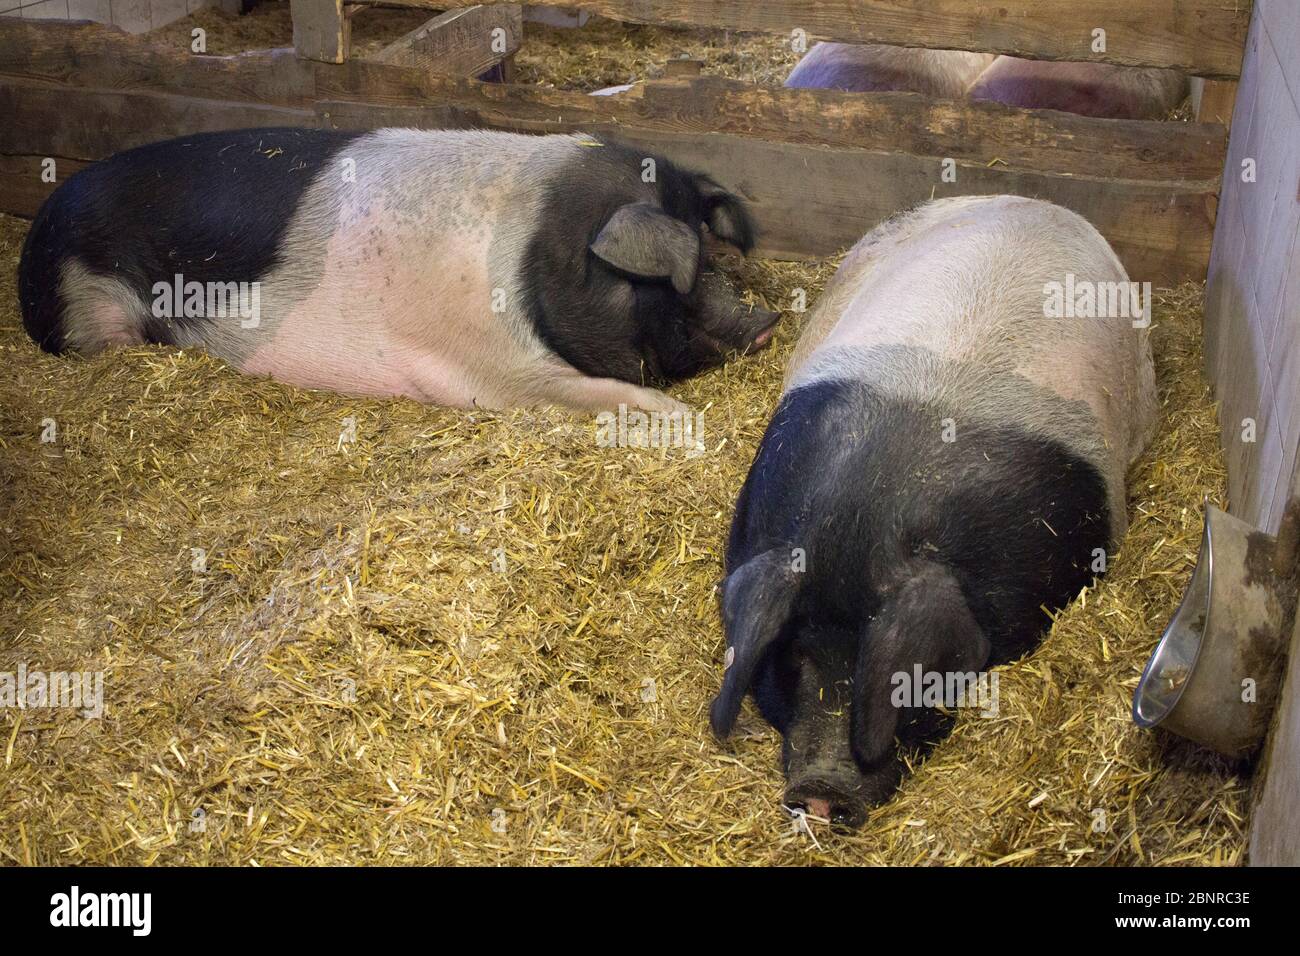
(728, 218)
(923, 621)
(756, 602)
(644, 240)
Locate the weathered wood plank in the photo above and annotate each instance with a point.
(1044, 141)
(94, 55)
(343, 114)
(321, 30)
(1202, 37)
(94, 124)
(976, 132)
(1215, 100)
(813, 201)
(465, 42)
(25, 186)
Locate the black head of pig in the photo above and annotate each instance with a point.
(618, 271)
(826, 684)
(865, 547)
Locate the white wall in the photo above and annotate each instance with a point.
(134, 16)
(1253, 294)
(1252, 326)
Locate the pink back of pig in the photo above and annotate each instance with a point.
(406, 279)
(963, 280)
(1090, 89)
(386, 282)
(866, 68)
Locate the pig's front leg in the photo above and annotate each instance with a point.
(605, 395)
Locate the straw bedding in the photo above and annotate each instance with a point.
(483, 638)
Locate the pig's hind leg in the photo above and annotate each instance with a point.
(98, 311)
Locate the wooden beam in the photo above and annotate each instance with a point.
(807, 200)
(683, 68)
(971, 132)
(94, 124)
(465, 42)
(321, 30)
(818, 167)
(25, 185)
(811, 202)
(1201, 37)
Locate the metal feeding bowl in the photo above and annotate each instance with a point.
(1215, 675)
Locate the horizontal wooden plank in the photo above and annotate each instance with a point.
(94, 55)
(1040, 140)
(1202, 37)
(814, 201)
(986, 133)
(977, 132)
(94, 124)
(26, 184)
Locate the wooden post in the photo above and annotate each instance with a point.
(321, 30)
(1213, 100)
(683, 67)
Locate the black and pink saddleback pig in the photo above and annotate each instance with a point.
(1089, 89)
(870, 67)
(946, 462)
(460, 268)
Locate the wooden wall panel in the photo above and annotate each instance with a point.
(459, 42)
(1252, 302)
(1253, 353)
(1274, 830)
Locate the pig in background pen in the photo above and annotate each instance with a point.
(1090, 89)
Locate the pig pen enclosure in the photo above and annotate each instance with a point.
(343, 630)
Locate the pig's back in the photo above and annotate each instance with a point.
(945, 306)
(870, 67)
(965, 278)
(401, 278)
(1090, 89)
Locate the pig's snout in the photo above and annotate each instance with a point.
(745, 329)
(838, 789)
(760, 326)
(727, 323)
(826, 801)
